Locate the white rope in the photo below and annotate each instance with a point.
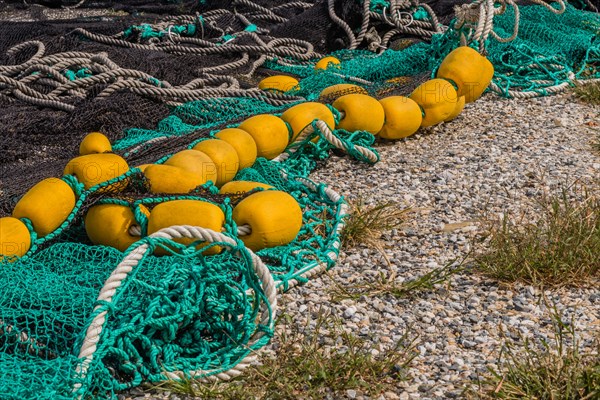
(122, 271)
(477, 18)
(327, 135)
(549, 89)
(242, 230)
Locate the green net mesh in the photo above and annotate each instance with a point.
(189, 314)
(549, 50)
(185, 313)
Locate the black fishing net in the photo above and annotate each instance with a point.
(37, 140)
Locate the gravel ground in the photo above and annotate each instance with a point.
(497, 157)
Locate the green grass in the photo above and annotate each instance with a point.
(366, 223)
(560, 247)
(388, 285)
(553, 370)
(304, 368)
(588, 93)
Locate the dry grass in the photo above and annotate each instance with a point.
(560, 247)
(553, 370)
(387, 285)
(588, 92)
(366, 223)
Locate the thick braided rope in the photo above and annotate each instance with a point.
(121, 272)
(242, 230)
(543, 91)
(330, 137)
(64, 94)
(478, 18)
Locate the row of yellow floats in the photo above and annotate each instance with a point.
(273, 217)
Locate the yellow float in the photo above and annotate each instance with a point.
(143, 167)
(196, 162)
(327, 62)
(94, 143)
(274, 217)
(279, 83)
(15, 239)
(47, 205)
(224, 157)
(331, 93)
(186, 212)
(460, 105)
(402, 117)
(270, 134)
(243, 144)
(437, 98)
(108, 225)
(468, 70)
(361, 113)
(172, 180)
(236, 187)
(93, 169)
(302, 115)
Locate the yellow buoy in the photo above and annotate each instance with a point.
(327, 62)
(437, 98)
(47, 205)
(331, 93)
(143, 167)
(361, 113)
(15, 239)
(93, 169)
(278, 83)
(223, 155)
(274, 217)
(108, 225)
(302, 115)
(94, 143)
(402, 117)
(172, 180)
(186, 212)
(460, 105)
(470, 71)
(243, 144)
(236, 187)
(196, 162)
(270, 134)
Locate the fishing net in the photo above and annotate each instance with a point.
(85, 321)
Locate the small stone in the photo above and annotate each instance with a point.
(391, 396)
(349, 313)
(351, 393)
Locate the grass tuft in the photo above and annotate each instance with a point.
(553, 370)
(367, 223)
(559, 248)
(388, 285)
(588, 92)
(305, 369)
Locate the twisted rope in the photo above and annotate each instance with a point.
(328, 135)
(242, 230)
(477, 19)
(29, 81)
